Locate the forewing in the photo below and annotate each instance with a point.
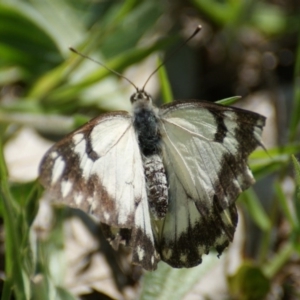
(205, 148)
(209, 145)
(98, 169)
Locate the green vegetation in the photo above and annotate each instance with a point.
(250, 48)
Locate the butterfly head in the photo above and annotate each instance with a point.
(140, 96)
(141, 100)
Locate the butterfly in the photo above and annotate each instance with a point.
(162, 181)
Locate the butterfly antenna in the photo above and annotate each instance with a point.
(199, 27)
(104, 66)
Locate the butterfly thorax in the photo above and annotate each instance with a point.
(146, 125)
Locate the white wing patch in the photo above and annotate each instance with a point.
(146, 255)
(66, 187)
(58, 168)
(78, 198)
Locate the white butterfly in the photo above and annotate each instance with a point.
(163, 181)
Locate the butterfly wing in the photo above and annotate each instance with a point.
(205, 148)
(98, 168)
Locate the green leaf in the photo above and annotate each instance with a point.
(229, 101)
(249, 283)
(163, 283)
(276, 153)
(220, 12)
(285, 208)
(268, 18)
(297, 175)
(278, 260)
(297, 196)
(295, 119)
(126, 33)
(255, 209)
(264, 163)
(166, 89)
(14, 265)
(23, 43)
(43, 288)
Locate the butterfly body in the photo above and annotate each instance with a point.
(147, 127)
(163, 181)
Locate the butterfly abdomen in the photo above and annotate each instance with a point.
(157, 186)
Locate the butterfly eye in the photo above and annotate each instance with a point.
(133, 98)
